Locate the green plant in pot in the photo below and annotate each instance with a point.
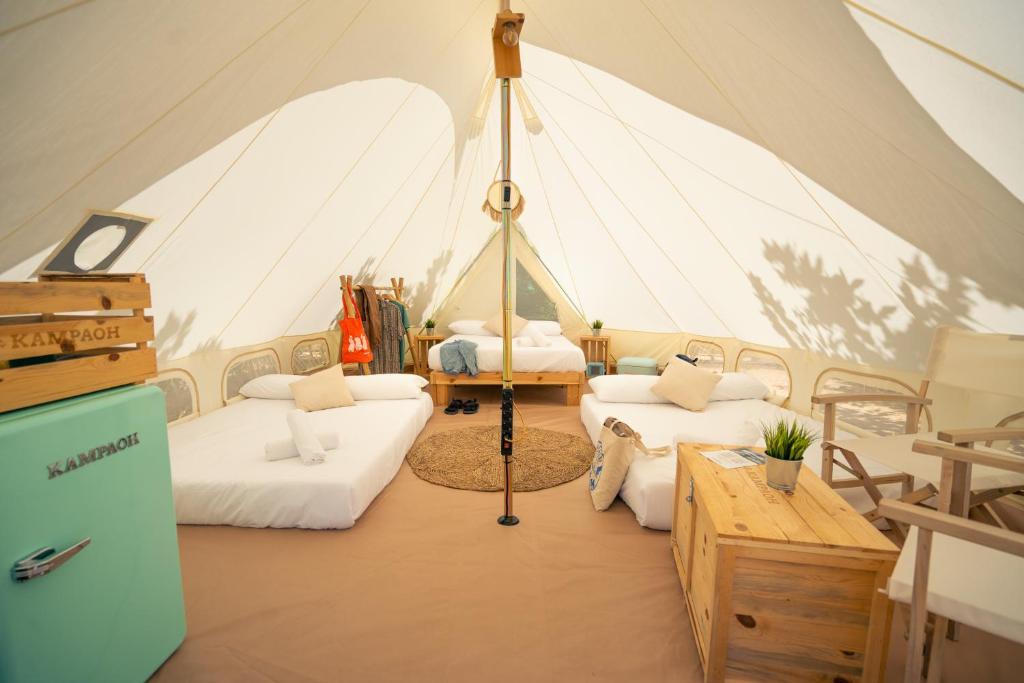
(784, 447)
(428, 327)
(596, 327)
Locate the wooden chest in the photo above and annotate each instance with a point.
(779, 587)
(68, 335)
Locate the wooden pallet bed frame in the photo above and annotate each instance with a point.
(441, 383)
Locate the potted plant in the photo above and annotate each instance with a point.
(596, 327)
(428, 327)
(784, 446)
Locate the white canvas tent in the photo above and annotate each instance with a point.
(825, 180)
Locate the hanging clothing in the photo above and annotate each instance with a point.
(403, 347)
(459, 356)
(371, 315)
(387, 356)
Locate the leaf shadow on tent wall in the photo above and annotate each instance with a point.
(836, 317)
(172, 335)
(416, 299)
(424, 292)
(803, 80)
(363, 276)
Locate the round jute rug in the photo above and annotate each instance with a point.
(468, 459)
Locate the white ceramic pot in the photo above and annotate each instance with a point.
(596, 331)
(782, 474)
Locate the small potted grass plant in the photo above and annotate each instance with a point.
(428, 327)
(784, 446)
(596, 327)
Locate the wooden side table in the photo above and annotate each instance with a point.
(423, 344)
(778, 586)
(595, 349)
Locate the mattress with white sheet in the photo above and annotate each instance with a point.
(220, 473)
(649, 488)
(561, 356)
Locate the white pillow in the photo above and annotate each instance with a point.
(736, 386)
(550, 328)
(471, 327)
(531, 332)
(270, 386)
(626, 389)
(385, 387)
(311, 451)
(523, 341)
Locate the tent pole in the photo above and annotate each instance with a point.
(507, 392)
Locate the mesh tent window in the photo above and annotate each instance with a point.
(883, 419)
(767, 367)
(709, 355)
(248, 366)
(531, 301)
(1015, 446)
(180, 395)
(310, 355)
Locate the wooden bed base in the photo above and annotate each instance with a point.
(441, 383)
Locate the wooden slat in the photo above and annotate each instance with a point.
(70, 295)
(34, 384)
(919, 607)
(517, 378)
(842, 513)
(952, 525)
(1010, 463)
(972, 435)
(71, 334)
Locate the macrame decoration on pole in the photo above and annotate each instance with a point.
(505, 40)
(492, 205)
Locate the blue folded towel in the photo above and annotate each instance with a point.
(459, 356)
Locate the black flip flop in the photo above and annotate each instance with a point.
(470, 407)
(454, 407)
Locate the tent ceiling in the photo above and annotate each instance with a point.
(791, 173)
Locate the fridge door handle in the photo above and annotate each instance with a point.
(44, 561)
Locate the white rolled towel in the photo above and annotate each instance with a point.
(311, 452)
(282, 449)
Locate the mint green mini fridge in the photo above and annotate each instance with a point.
(90, 584)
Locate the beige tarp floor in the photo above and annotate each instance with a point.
(427, 587)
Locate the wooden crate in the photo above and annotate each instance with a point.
(778, 587)
(73, 349)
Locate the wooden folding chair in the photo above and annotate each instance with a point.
(957, 569)
(998, 368)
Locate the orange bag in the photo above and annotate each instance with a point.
(355, 347)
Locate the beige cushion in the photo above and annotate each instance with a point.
(494, 324)
(325, 389)
(686, 385)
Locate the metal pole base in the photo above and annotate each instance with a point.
(508, 520)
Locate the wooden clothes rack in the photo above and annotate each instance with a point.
(397, 290)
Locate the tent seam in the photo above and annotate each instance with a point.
(639, 223)
(152, 124)
(319, 209)
(335, 270)
(765, 145)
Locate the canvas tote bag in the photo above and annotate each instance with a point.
(355, 347)
(616, 448)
